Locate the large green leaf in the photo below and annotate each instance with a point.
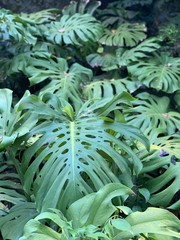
(151, 113)
(126, 34)
(72, 154)
(152, 221)
(160, 72)
(74, 29)
(13, 123)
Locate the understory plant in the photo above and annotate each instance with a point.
(89, 126)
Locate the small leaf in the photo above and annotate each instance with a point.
(121, 224)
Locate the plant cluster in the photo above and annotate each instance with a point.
(89, 126)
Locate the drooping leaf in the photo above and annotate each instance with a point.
(64, 81)
(98, 206)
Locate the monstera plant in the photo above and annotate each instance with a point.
(89, 143)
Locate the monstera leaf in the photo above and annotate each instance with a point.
(65, 81)
(72, 153)
(104, 88)
(81, 7)
(75, 30)
(160, 72)
(151, 112)
(40, 17)
(128, 35)
(115, 14)
(127, 56)
(12, 27)
(106, 60)
(13, 123)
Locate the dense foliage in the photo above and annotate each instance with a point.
(89, 124)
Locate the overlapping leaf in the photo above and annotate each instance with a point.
(13, 223)
(12, 27)
(40, 17)
(163, 151)
(11, 191)
(165, 186)
(125, 56)
(91, 221)
(162, 161)
(153, 221)
(74, 29)
(107, 60)
(81, 7)
(13, 123)
(93, 211)
(106, 88)
(115, 14)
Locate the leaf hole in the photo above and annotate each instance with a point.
(113, 88)
(90, 136)
(65, 151)
(102, 91)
